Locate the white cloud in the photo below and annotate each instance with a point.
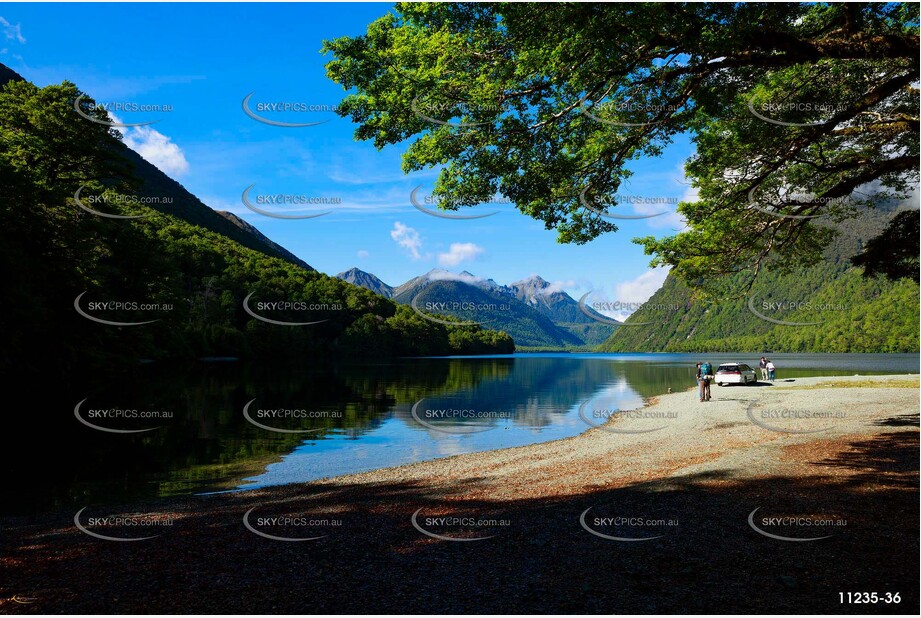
(155, 147)
(12, 32)
(362, 254)
(459, 252)
(444, 275)
(629, 295)
(640, 289)
(408, 238)
(558, 286)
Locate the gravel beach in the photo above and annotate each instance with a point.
(769, 498)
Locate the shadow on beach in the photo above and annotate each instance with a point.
(544, 561)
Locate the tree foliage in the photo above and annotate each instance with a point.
(792, 108)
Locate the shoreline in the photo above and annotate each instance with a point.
(669, 401)
(708, 468)
(649, 403)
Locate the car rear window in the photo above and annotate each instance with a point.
(728, 368)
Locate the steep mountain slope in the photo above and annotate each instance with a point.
(560, 307)
(9, 75)
(367, 281)
(470, 299)
(829, 307)
(263, 239)
(186, 206)
(178, 202)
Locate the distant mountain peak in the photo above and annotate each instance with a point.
(440, 274)
(366, 280)
(533, 281)
(537, 313)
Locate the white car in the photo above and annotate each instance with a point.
(735, 373)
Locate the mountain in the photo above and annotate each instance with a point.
(828, 307)
(193, 290)
(469, 298)
(367, 281)
(187, 207)
(178, 202)
(259, 237)
(534, 312)
(560, 307)
(9, 75)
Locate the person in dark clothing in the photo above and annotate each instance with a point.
(703, 382)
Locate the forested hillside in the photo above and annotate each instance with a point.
(66, 270)
(830, 307)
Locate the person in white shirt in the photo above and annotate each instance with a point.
(762, 364)
(770, 368)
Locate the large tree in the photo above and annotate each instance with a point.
(793, 108)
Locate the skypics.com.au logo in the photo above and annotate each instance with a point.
(89, 110)
(420, 203)
(115, 419)
(600, 310)
(111, 308)
(295, 202)
(795, 528)
(90, 203)
(290, 527)
(457, 419)
(269, 418)
(782, 311)
(123, 528)
(271, 112)
(480, 312)
(659, 205)
(283, 312)
(627, 527)
(440, 109)
(458, 528)
(792, 420)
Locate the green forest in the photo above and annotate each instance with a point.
(52, 251)
(829, 307)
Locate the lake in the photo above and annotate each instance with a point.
(230, 426)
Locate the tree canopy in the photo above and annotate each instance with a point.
(794, 109)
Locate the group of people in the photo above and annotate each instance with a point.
(767, 369)
(705, 375)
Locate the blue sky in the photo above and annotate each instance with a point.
(201, 60)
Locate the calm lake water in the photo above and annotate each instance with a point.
(223, 427)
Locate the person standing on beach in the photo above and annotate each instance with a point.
(762, 364)
(703, 381)
(770, 369)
